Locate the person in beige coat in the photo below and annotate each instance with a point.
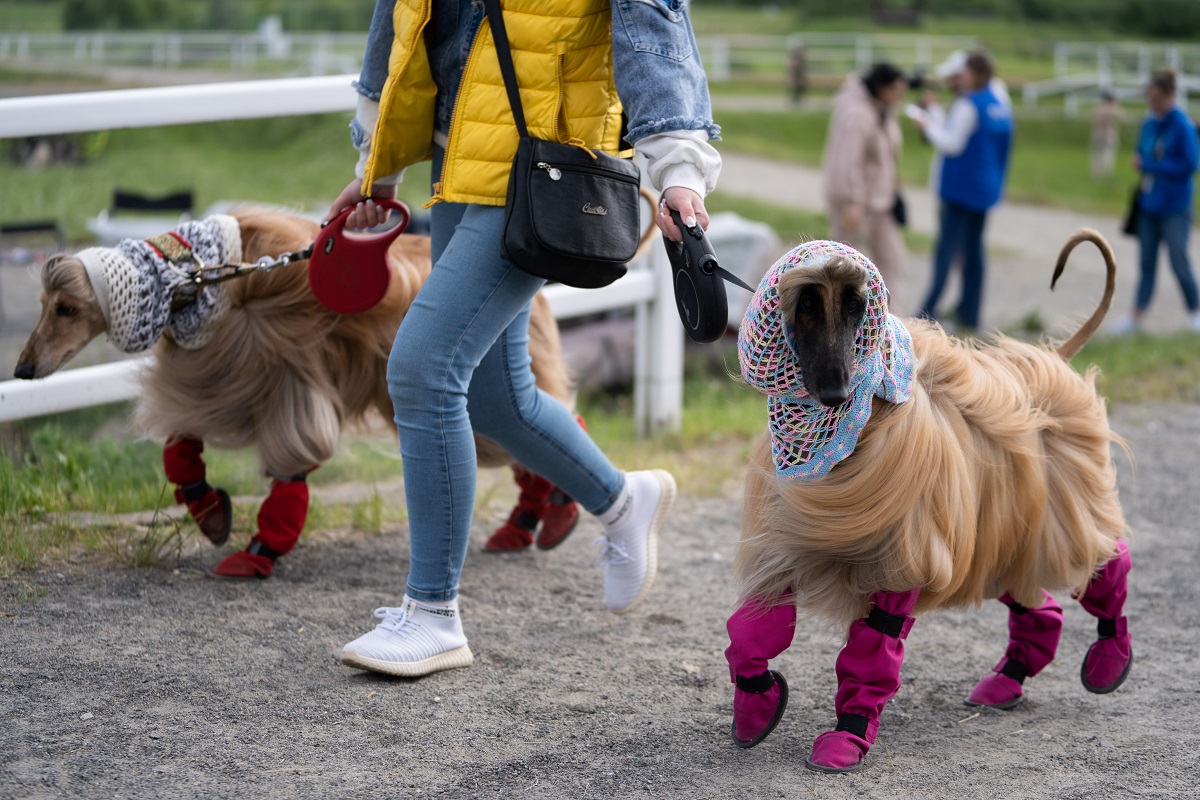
(861, 164)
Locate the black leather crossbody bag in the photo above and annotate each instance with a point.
(572, 214)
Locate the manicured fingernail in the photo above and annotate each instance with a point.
(690, 222)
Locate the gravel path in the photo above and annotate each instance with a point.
(164, 683)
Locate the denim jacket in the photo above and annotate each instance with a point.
(656, 65)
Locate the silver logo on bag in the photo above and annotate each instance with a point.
(599, 211)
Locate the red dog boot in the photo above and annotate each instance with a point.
(209, 507)
(559, 515)
(517, 532)
(1033, 635)
(280, 521)
(1108, 660)
(868, 673)
(758, 633)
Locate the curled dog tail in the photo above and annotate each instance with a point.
(1071, 346)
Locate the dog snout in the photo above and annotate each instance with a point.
(833, 397)
(24, 371)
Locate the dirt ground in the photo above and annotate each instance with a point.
(164, 683)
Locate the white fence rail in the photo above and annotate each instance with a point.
(279, 53)
(658, 358)
(1082, 69)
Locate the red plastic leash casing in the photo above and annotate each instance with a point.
(349, 272)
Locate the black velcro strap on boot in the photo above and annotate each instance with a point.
(194, 491)
(525, 520)
(888, 624)
(1016, 607)
(1106, 628)
(1015, 669)
(756, 684)
(257, 548)
(853, 723)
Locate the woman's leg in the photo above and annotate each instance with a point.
(970, 306)
(948, 244)
(1149, 228)
(1176, 229)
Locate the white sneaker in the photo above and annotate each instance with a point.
(1124, 326)
(630, 552)
(413, 640)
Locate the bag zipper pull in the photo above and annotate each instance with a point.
(555, 172)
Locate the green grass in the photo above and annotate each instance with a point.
(298, 162)
(793, 226)
(52, 467)
(1050, 161)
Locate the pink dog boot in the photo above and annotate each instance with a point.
(757, 634)
(209, 507)
(868, 672)
(1108, 660)
(1033, 635)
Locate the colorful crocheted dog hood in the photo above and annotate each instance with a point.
(136, 282)
(808, 438)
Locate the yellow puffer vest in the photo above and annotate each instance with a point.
(562, 53)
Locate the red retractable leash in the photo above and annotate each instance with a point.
(348, 272)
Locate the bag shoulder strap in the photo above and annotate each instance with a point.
(500, 37)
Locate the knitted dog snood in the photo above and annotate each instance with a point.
(136, 282)
(807, 438)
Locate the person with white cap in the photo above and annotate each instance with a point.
(973, 140)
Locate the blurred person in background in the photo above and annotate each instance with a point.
(1106, 134)
(861, 168)
(973, 139)
(1166, 156)
(798, 72)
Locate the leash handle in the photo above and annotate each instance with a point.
(349, 272)
(701, 253)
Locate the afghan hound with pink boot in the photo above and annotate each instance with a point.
(903, 471)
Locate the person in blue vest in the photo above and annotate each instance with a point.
(1167, 156)
(974, 140)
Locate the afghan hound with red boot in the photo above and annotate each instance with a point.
(903, 471)
(257, 361)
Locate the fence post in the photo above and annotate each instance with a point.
(658, 355)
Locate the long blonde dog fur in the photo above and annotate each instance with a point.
(997, 476)
(281, 372)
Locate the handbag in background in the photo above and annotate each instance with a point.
(1135, 210)
(572, 214)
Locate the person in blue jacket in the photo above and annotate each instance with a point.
(1167, 155)
(974, 140)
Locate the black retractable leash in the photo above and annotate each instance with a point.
(699, 291)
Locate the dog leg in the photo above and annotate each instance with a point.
(539, 502)
(517, 532)
(280, 521)
(1033, 635)
(209, 507)
(868, 673)
(560, 514)
(758, 633)
(1108, 660)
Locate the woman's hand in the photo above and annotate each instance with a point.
(690, 207)
(366, 214)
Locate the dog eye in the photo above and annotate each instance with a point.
(64, 310)
(853, 306)
(806, 302)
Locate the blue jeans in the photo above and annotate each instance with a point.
(961, 232)
(460, 364)
(1153, 229)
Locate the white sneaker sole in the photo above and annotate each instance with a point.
(667, 482)
(451, 659)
